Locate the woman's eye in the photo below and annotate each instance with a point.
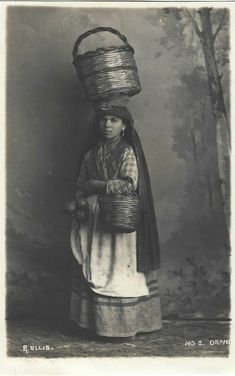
(114, 120)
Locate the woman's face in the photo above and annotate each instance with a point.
(111, 126)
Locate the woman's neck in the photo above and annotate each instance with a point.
(110, 141)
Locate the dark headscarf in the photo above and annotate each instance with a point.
(148, 250)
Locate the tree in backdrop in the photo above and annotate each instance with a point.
(207, 37)
(199, 42)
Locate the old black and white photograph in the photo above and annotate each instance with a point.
(118, 181)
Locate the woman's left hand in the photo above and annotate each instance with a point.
(94, 187)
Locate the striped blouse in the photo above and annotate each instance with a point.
(125, 178)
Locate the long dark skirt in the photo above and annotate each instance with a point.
(112, 316)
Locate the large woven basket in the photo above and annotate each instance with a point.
(107, 71)
(120, 213)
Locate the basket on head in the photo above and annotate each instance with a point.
(108, 70)
(120, 213)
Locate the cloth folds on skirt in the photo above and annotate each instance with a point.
(115, 316)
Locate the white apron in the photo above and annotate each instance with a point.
(108, 260)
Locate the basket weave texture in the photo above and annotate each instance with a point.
(120, 213)
(107, 71)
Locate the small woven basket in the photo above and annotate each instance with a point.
(107, 71)
(120, 213)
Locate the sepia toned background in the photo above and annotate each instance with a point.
(187, 154)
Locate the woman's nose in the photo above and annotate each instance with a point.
(108, 124)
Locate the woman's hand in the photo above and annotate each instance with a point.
(94, 187)
(70, 207)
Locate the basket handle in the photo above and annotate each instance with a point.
(97, 30)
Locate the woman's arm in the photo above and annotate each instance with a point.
(128, 175)
(95, 187)
(86, 186)
(126, 182)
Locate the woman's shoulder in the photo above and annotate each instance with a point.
(128, 151)
(127, 148)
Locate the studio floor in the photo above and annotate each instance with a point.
(177, 338)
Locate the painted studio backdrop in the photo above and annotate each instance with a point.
(181, 115)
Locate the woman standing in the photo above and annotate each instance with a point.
(115, 286)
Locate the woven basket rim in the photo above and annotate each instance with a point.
(119, 196)
(125, 91)
(100, 51)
